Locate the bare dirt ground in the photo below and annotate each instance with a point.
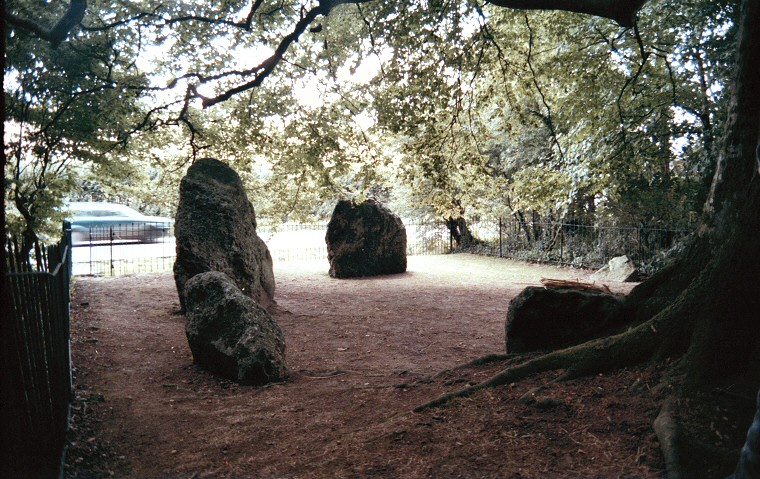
(362, 354)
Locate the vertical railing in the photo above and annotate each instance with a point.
(123, 248)
(568, 242)
(36, 344)
(572, 242)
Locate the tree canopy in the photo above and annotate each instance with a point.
(481, 109)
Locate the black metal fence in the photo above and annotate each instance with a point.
(36, 345)
(303, 241)
(108, 253)
(119, 249)
(573, 243)
(104, 252)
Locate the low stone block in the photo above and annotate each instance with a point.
(545, 319)
(620, 268)
(231, 335)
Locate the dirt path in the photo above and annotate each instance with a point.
(360, 353)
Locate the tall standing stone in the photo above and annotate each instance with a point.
(365, 240)
(215, 230)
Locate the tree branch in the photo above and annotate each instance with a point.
(245, 24)
(548, 118)
(60, 30)
(118, 23)
(621, 11)
(266, 67)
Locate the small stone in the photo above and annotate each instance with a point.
(620, 268)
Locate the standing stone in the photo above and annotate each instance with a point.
(230, 334)
(365, 240)
(216, 231)
(545, 319)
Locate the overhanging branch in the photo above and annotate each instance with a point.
(266, 67)
(548, 119)
(58, 33)
(245, 24)
(621, 11)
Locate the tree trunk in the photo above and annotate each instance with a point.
(714, 288)
(523, 225)
(460, 232)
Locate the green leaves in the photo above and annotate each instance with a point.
(443, 106)
(68, 107)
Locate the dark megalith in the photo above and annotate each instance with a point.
(230, 334)
(545, 319)
(365, 239)
(216, 231)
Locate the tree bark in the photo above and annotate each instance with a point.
(524, 225)
(716, 280)
(621, 11)
(460, 232)
(58, 32)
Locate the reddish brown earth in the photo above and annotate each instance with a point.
(362, 354)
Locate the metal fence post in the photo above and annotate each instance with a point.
(501, 251)
(110, 247)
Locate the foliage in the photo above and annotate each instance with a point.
(66, 108)
(443, 108)
(600, 134)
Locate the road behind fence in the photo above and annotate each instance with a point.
(36, 365)
(562, 242)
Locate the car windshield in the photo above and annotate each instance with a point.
(99, 213)
(103, 210)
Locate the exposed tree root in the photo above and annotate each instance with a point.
(666, 428)
(632, 347)
(487, 359)
(628, 348)
(648, 341)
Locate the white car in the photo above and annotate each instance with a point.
(96, 222)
